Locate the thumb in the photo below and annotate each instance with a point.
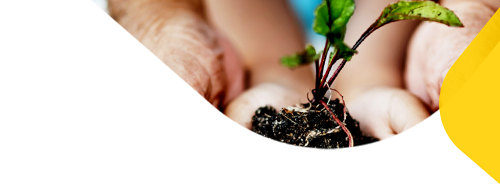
(406, 111)
(243, 107)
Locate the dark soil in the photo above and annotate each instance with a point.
(308, 127)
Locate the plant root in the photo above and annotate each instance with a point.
(330, 98)
(290, 119)
(341, 97)
(317, 133)
(308, 95)
(341, 124)
(343, 103)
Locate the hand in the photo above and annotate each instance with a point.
(434, 48)
(263, 31)
(243, 107)
(384, 112)
(178, 34)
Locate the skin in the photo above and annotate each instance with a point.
(435, 48)
(169, 69)
(378, 100)
(387, 100)
(191, 34)
(228, 51)
(261, 49)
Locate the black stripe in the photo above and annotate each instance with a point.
(232, 157)
(216, 144)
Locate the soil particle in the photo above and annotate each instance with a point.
(308, 126)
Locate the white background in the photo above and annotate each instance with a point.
(59, 66)
(58, 60)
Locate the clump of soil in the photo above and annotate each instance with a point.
(308, 126)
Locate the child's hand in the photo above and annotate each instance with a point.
(384, 112)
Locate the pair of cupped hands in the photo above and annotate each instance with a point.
(213, 66)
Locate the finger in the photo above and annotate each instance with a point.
(382, 132)
(243, 107)
(387, 136)
(233, 70)
(406, 111)
(434, 48)
(414, 72)
(371, 110)
(385, 112)
(376, 126)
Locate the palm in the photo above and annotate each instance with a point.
(243, 107)
(393, 113)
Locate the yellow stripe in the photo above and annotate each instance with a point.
(302, 174)
(230, 152)
(236, 163)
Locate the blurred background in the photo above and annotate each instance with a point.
(59, 66)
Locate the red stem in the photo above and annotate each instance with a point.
(320, 68)
(369, 31)
(316, 64)
(349, 135)
(336, 73)
(330, 65)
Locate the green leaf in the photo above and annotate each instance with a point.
(307, 56)
(331, 21)
(332, 17)
(331, 56)
(418, 10)
(344, 51)
(338, 44)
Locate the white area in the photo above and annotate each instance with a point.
(59, 68)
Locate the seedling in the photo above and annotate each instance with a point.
(331, 21)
